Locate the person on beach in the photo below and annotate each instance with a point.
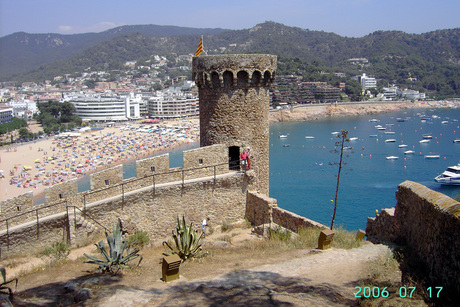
(244, 160)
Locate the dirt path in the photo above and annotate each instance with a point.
(326, 278)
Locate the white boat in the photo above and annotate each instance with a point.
(432, 156)
(389, 132)
(402, 146)
(409, 152)
(457, 141)
(451, 176)
(445, 122)
(373, 135)
(282, 136)
(424, 141)
(373, 120)
(390, 141)
(335, 132)
(392, 158)
(427, 136)
(382, 128)
(353, 139)
(309, 137)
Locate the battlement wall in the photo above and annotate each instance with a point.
(153, 211)
(428, 223)
(108, 183)
(261, 209)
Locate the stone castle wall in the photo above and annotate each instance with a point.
(152, 211)
(234, 104)
(261, 209)
(64, 191)
(108, 183)
(428, 223)
(107, 177)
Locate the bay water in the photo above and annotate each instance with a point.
(303, 171)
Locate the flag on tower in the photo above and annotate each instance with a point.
(200, 49)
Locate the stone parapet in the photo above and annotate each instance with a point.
(292, 221)
(428, 224)
(383, 227)
(16, 205)
(107, 177)
(261, 209)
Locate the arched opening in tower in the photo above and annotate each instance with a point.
(234, 158)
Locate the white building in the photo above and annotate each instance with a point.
(390, 93)
(173, 106)
(411, 94)
(106, 108)
(6, 115)
(23, 107)
(367, 82)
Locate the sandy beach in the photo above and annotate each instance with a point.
(37, 165)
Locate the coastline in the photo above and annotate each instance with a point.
(317, 111)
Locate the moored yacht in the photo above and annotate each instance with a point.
(451, 176)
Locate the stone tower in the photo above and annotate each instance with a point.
(234, 102)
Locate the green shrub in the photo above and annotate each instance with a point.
(138, 239)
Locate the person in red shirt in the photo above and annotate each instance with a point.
(244, 160)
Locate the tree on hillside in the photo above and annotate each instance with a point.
(353, 90)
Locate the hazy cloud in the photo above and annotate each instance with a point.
(98, 27)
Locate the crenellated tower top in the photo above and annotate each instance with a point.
(234, 71)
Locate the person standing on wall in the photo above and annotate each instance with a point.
(244, 160)
(249, 157)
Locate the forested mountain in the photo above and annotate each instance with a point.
(431, 60)
(21, 52)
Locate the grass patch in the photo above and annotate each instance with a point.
(138, 240)
(226, 227)
(345, 239)
(279, 234)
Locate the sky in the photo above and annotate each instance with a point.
(352, 18)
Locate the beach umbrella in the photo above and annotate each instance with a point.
(37, 160)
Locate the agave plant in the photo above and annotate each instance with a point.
(186, 241)
(114, 260)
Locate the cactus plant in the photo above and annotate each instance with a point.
(186, 241)
(113, 260)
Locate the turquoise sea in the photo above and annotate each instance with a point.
(303, 174)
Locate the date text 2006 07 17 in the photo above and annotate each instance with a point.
(376, 292)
